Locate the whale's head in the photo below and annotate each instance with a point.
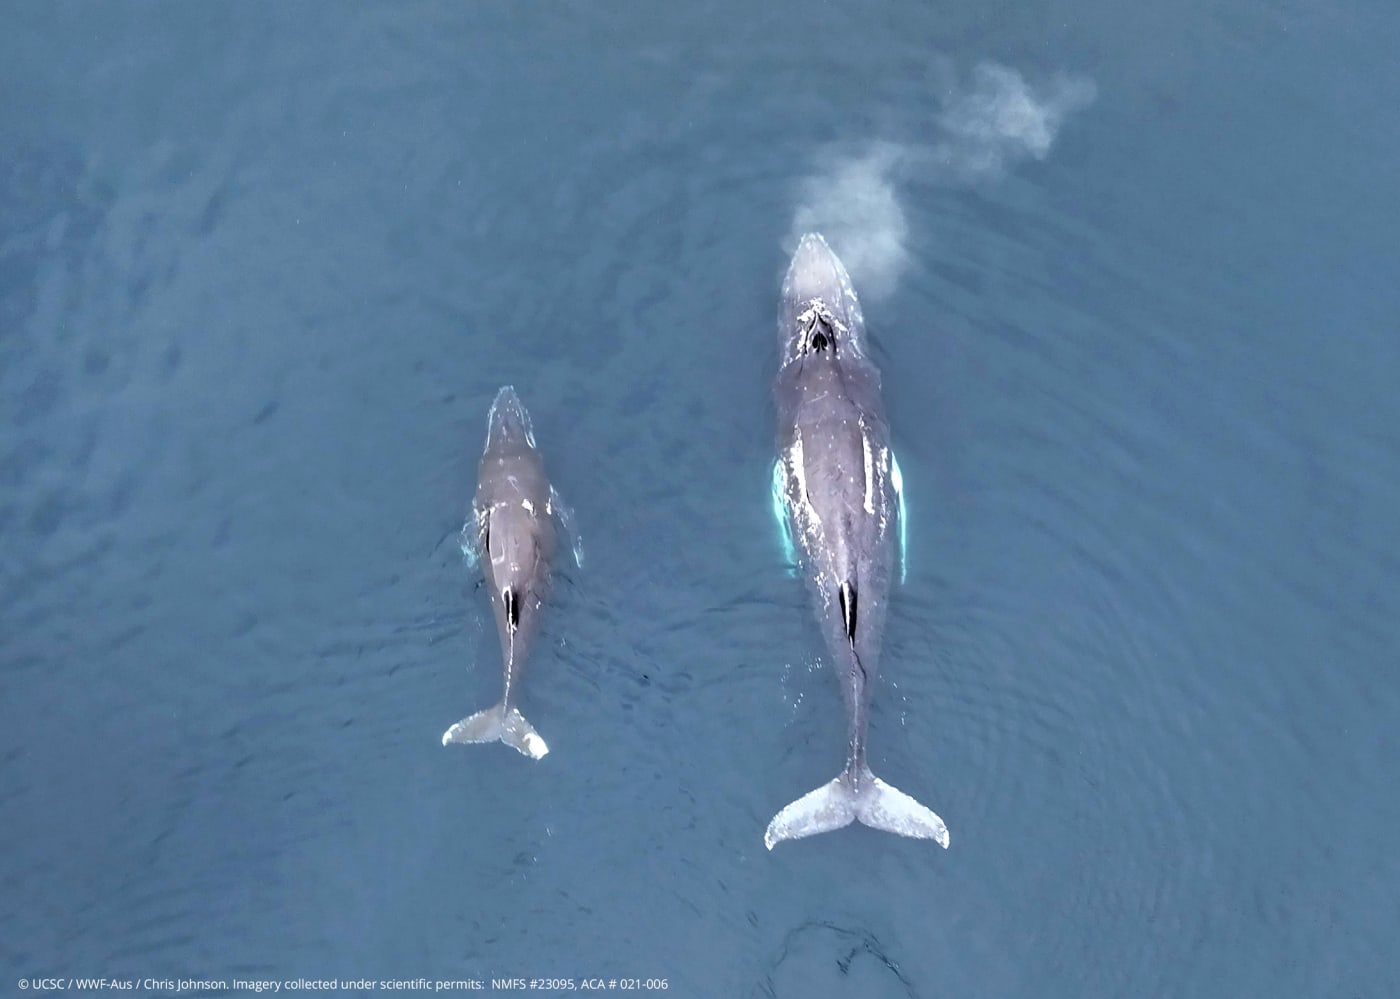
(508, 425)
(821, 315)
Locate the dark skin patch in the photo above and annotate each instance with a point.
(849, 609)
(847, 596)
(512, 608)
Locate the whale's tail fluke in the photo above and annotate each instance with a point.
(855, 796)
(498, 723)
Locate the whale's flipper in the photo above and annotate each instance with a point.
(496, 723)
(564, 514)
(778, 495)
(871, 801)
(469, 539)
(897, 480)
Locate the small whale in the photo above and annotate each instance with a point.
(838, 487)
(511, 534)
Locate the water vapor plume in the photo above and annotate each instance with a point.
(981, 131)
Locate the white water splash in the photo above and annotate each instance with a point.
(981, 131)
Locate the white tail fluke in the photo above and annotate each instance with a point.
(495, 724)
(844, 800)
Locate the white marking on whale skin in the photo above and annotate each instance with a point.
(804, 517)
(816, 308)
(799, 473)
(869, 471)
(529, 507)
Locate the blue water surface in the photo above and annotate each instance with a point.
(1131, 272)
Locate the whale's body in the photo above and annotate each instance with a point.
(839, 491)
(511, 534)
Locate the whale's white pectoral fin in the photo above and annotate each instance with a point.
(564, 514)
(829, 807)
(469, 539)
(781, 517)
(837, 804)
(897, 480)
(498, 724)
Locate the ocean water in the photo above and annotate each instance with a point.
(1131, 272)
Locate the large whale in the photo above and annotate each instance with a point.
(511, 533)
(838, 489)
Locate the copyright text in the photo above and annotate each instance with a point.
(197, 986)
